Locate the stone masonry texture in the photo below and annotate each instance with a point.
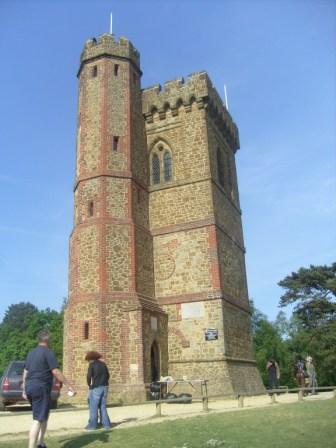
(157, 254)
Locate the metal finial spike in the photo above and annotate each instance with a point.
(226, 101)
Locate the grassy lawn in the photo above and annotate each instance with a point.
(297, 425)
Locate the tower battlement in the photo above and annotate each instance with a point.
(179, 92)
(176, 92)
(107, 45)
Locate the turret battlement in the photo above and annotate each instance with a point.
(176, 92)
(197, 88)
(107, 45)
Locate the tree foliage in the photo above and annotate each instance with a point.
(270, 341)
(312, 291)
(310, 331)
(19, 329)
(18, 315)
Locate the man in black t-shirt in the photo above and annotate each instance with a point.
(40, 368)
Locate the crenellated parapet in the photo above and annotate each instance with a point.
(106, 45)
(176, 93)
(180, 93)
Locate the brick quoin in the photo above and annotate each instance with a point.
(153, 251)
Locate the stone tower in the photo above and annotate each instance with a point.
(111, 305)
(157, 278)
(195, 220)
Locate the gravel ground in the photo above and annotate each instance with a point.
(15, 423)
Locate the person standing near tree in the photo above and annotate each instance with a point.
(311, 372)
(40, 369)
(273, 370)
(299, 372)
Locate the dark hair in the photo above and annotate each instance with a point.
(92, 356)
(43, 336)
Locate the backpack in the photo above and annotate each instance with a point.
(299, 367)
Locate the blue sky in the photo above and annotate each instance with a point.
(278, 61)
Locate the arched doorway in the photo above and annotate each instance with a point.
(155, 362)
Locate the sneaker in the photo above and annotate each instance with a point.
(41, 445)
(89, 428)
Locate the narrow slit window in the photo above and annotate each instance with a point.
(229, 176)
(86, 330)
(167, 164)
(94, 71)
(134, 78)
(115, 143)
(220, 167)
(116, 69)
(91, 208)
(156, 169)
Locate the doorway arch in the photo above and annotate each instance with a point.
(155, 362)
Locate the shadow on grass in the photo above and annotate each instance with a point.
(84, 440)
(126, 420)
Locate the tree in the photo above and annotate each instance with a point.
(19, 315)
(269, 343)
(256, 317)
(282, 324)
(19, 329)
(313, 292)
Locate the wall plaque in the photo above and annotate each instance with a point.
(193, 310)
(134, 367)
(211, 334)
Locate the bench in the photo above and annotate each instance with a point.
(171, 384)
(158, 403)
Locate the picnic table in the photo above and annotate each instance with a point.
(168, 386)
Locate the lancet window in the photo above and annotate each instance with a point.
(161, 164)
(156, 169)
(167, 166)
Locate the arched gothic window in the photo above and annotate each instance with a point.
(161, 162)
(220, 167)
(167, 166)
(156, 169)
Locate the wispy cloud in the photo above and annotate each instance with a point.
(29, 232)
(5, 179)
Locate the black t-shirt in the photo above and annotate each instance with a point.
(98, 374)
(272, 369)
(39, 364)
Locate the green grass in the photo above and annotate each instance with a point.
(297, 425)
